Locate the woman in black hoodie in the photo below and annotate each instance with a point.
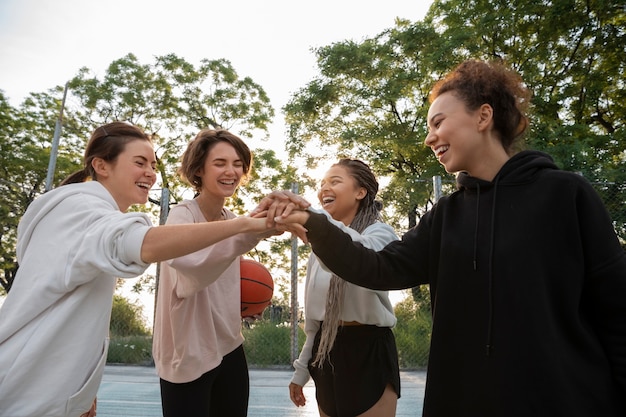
(527, 276)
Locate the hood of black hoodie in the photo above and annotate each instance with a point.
(520, 168)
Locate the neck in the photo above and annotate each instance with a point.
(211, 209)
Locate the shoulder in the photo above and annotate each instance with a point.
(187, 211)
(380, 228)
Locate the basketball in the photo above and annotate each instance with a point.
(257, 287)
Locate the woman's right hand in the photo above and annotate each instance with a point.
(294, 223)
(296, 394)
(279, 203)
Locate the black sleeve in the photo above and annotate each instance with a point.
(394, 267)
(606, 279)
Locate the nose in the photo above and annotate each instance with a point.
(430, 139)
(230, 168)
(151, 172)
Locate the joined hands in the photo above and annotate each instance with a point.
(284, 211)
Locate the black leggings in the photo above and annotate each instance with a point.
(222, 391)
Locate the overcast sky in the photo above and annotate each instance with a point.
(43, 43)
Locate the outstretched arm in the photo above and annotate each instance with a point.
(399, 265)
(174, 240)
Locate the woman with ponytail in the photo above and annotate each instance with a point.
(73, 243)
(350, 350)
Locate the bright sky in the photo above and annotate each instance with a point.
(43, 43)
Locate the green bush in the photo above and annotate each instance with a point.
(127, 318)
(136, 350)
(269, 344)
(412, 332)
(131, 342)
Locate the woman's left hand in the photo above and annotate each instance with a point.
(92, 410)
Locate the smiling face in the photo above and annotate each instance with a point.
(222, 171)
(131, 175)
(454, 134)
(340, 194)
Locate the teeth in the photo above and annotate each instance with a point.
(327, 200)
(143, 185)
(441, 149)
(231, 182)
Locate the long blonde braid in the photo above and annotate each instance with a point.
(367, 214)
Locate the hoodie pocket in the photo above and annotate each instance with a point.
(81, 402)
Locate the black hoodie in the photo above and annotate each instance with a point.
(528, 289)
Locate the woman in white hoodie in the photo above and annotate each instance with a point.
(350, 350)
(73, 242)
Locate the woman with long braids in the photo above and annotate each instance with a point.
(350, 350)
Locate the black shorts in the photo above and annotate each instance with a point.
(363, 360)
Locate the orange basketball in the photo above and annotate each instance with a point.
(257, 287)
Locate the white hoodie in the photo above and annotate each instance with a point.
(360, 304)
(73, 242)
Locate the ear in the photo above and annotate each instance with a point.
(361, 194)
(485, 117)
(101, 167)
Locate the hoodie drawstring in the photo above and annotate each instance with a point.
(490, 283)
(490, 260)
(476, 227)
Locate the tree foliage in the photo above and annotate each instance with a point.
(370, 98)
(170, 98)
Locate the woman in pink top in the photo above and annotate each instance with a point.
(197, 346)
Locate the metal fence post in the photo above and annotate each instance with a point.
(294, 289)
(165, 211)
(437, 190)
(55, 143)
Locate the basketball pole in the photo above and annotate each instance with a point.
(294, 289)
(55, 143)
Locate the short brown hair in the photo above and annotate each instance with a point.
(197, 150)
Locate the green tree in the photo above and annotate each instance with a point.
(25, 143)
(370, 98)
(171, 99)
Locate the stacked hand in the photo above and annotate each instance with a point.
(285, 211)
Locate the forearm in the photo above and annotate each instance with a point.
(335, 248)
(175, 240)
(376, 270)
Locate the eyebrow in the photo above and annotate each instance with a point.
(433, 116)
(219, 159)
(146, 160)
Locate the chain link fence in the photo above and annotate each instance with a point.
(272, 342)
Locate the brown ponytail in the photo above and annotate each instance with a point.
(106, 142)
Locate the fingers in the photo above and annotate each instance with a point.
(258, 213)
(295, 217)
(278, 203)
(296, 395)
(92, 411)
(294, 228)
